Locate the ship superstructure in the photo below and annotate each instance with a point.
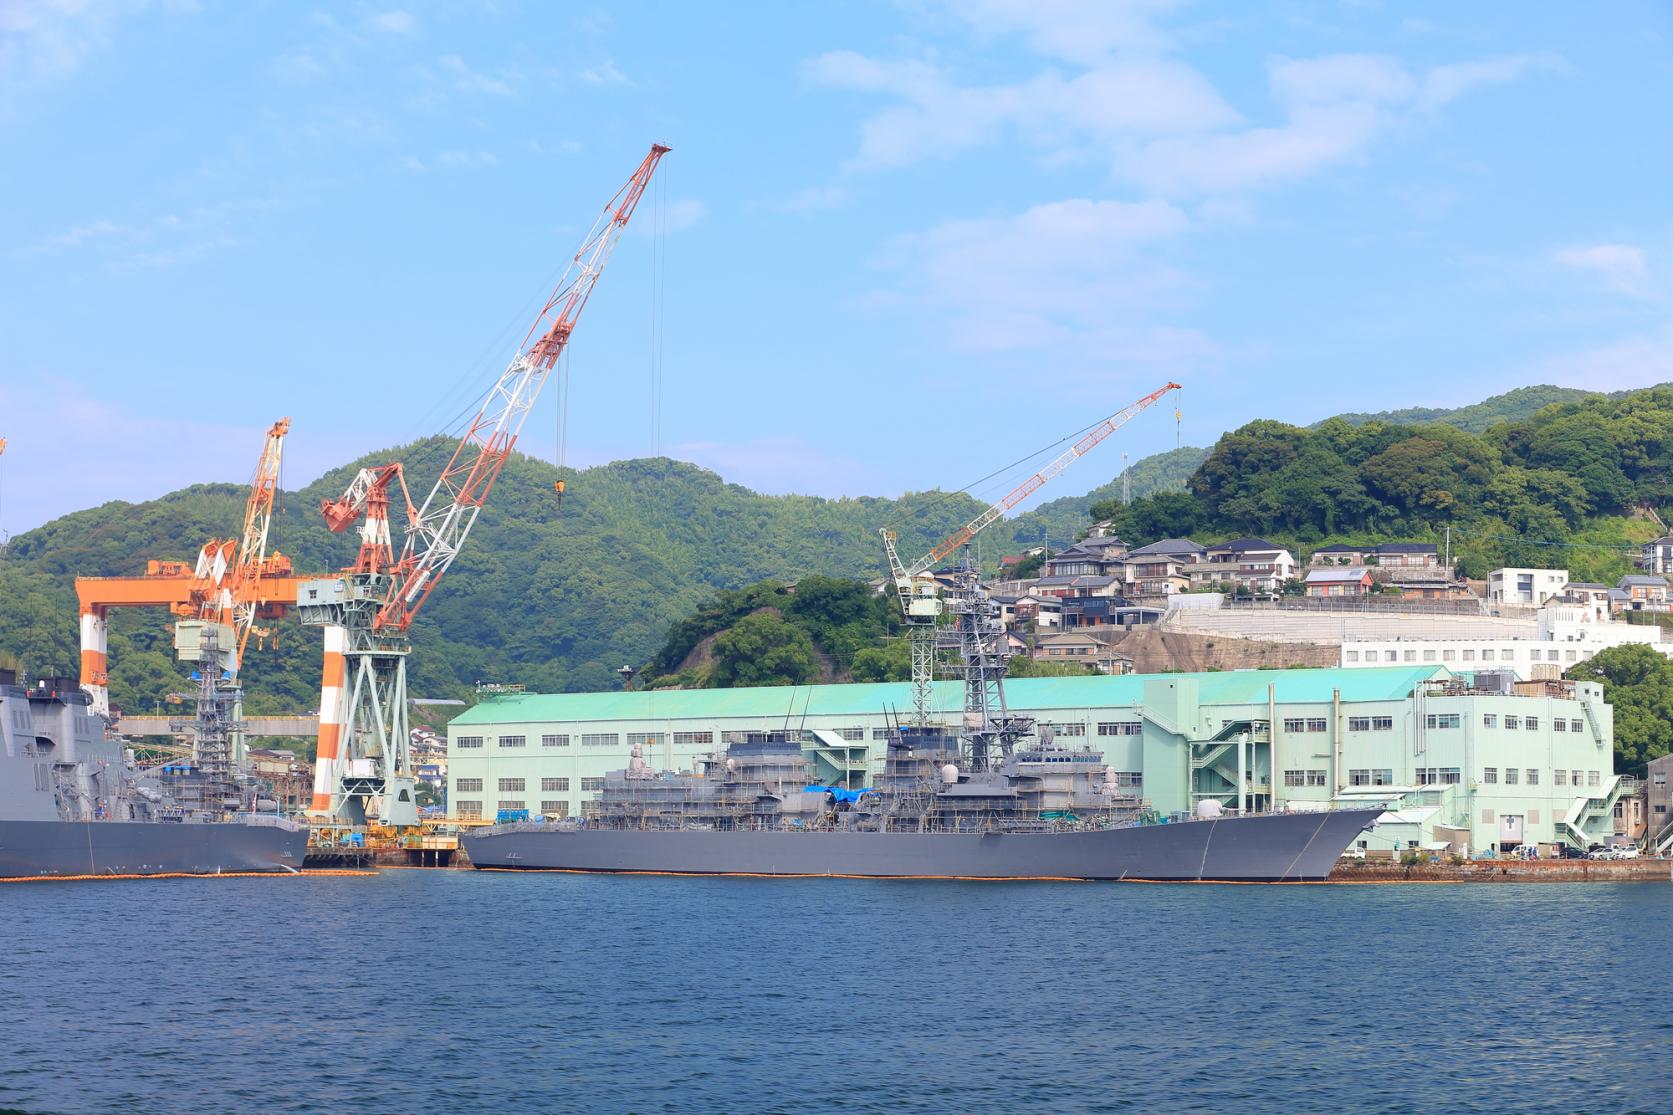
(74, 802)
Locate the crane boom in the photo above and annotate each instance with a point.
(450, 510)
(245, 588)
(987, 518)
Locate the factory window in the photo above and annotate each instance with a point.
(467, 809)
(513, 741)
(554, 808)
(1411, 656)
(1559, 725)
(1353, 656)
(693, 739)
(1513, 722)
(600, 739)
(468, 785)
(1295, 778)
(1487, 656)
(880, 733)
(1429, 656)
(1382, 778)
(1443, 720)
(1574, 726)
(468, 741)
(1382, 723)
(1486, 816)
(644, 739)
(1391, 656)
(1359, 723)
(1066, 730)
(511, 785)
(554, 784)
(1120, 728)
(1315, 778)
(1592, 778)
(591, 785)
(1490, 776)
(1533, 816)
(1660, 808)
(589, 809)
(1448, 655)
(1570, 654)
(1508, 654)
(1512, 776)
(1533, 777)
(1294, 724)
(851, 734)
(1659, 778)
(1129, 778)
(1559, 778)
(1359, 778)
(1316, 724)
(1574, 777)
(1469, 656)
(1489, 720)
(554, 741)
(508, 805)
(1531, 723)
(1450, 776)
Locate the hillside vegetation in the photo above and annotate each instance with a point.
(557, 597)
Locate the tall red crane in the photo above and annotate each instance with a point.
(366, 611)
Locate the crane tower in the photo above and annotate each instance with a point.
(367, 610)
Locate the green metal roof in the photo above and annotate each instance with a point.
(792, 702)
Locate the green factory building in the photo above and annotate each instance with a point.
(1477, 761)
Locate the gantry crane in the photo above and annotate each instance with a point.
(233, 582)
(364, 747)
(919, 592)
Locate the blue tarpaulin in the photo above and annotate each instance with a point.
(838, 793)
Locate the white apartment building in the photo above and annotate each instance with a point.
(1566, 635)
(1525, 586)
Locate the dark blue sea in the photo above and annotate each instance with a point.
(435, 991)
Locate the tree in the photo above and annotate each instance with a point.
(1638, 684)
(762, 649)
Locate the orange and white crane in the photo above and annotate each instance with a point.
(916, 586)
(364, 746)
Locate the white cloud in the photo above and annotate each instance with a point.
(602, 73)
(940, 117)
(459, 74)
(1637, 360)
(1069, 279)
(1083, 31)
(394, 22)
(778, 464)
(1444, 84)
(1623, 267)
(52, 38)
(812, 200)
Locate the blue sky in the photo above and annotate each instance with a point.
(905, 242)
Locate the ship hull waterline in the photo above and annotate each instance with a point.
(48, 849)
(1279, 847)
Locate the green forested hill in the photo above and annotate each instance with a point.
(558, 598)
(555, 598)
(1513, 406)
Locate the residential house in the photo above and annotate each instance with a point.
(1644, 592)
(1436, 584)
(1398, 555)
(1253, 564)
(1525, 586)
(1087, 611)
(1340, 580)
(1657, 556)
(1159, 568)
(1095, 556)
(1658, 801)
(1083, 648)
(1039, 609)
(1586, 594)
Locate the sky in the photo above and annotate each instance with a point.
(896, 245)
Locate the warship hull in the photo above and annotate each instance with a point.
(45, 849)
(1276, 847)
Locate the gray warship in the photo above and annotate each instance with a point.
(74, 803)
(998, 798)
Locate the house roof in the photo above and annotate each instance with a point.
(1407, 548)
(1058, 579)
(1340, 548)
(1642, 580)
(1167, 547)
(1342, 573)
(1236, 687)
(1619, 594)
(1594, 586)
(1094, 582)
(1245, 545)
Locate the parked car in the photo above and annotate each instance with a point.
(1601, 853)
(1626, 851)
(1568, 851)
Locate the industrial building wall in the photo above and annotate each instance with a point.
(1319, 750)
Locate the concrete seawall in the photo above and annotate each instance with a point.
(1511, 871)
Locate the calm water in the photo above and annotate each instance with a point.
(446, 991)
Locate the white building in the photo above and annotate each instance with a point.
(1525, 586)
(1567, 634)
